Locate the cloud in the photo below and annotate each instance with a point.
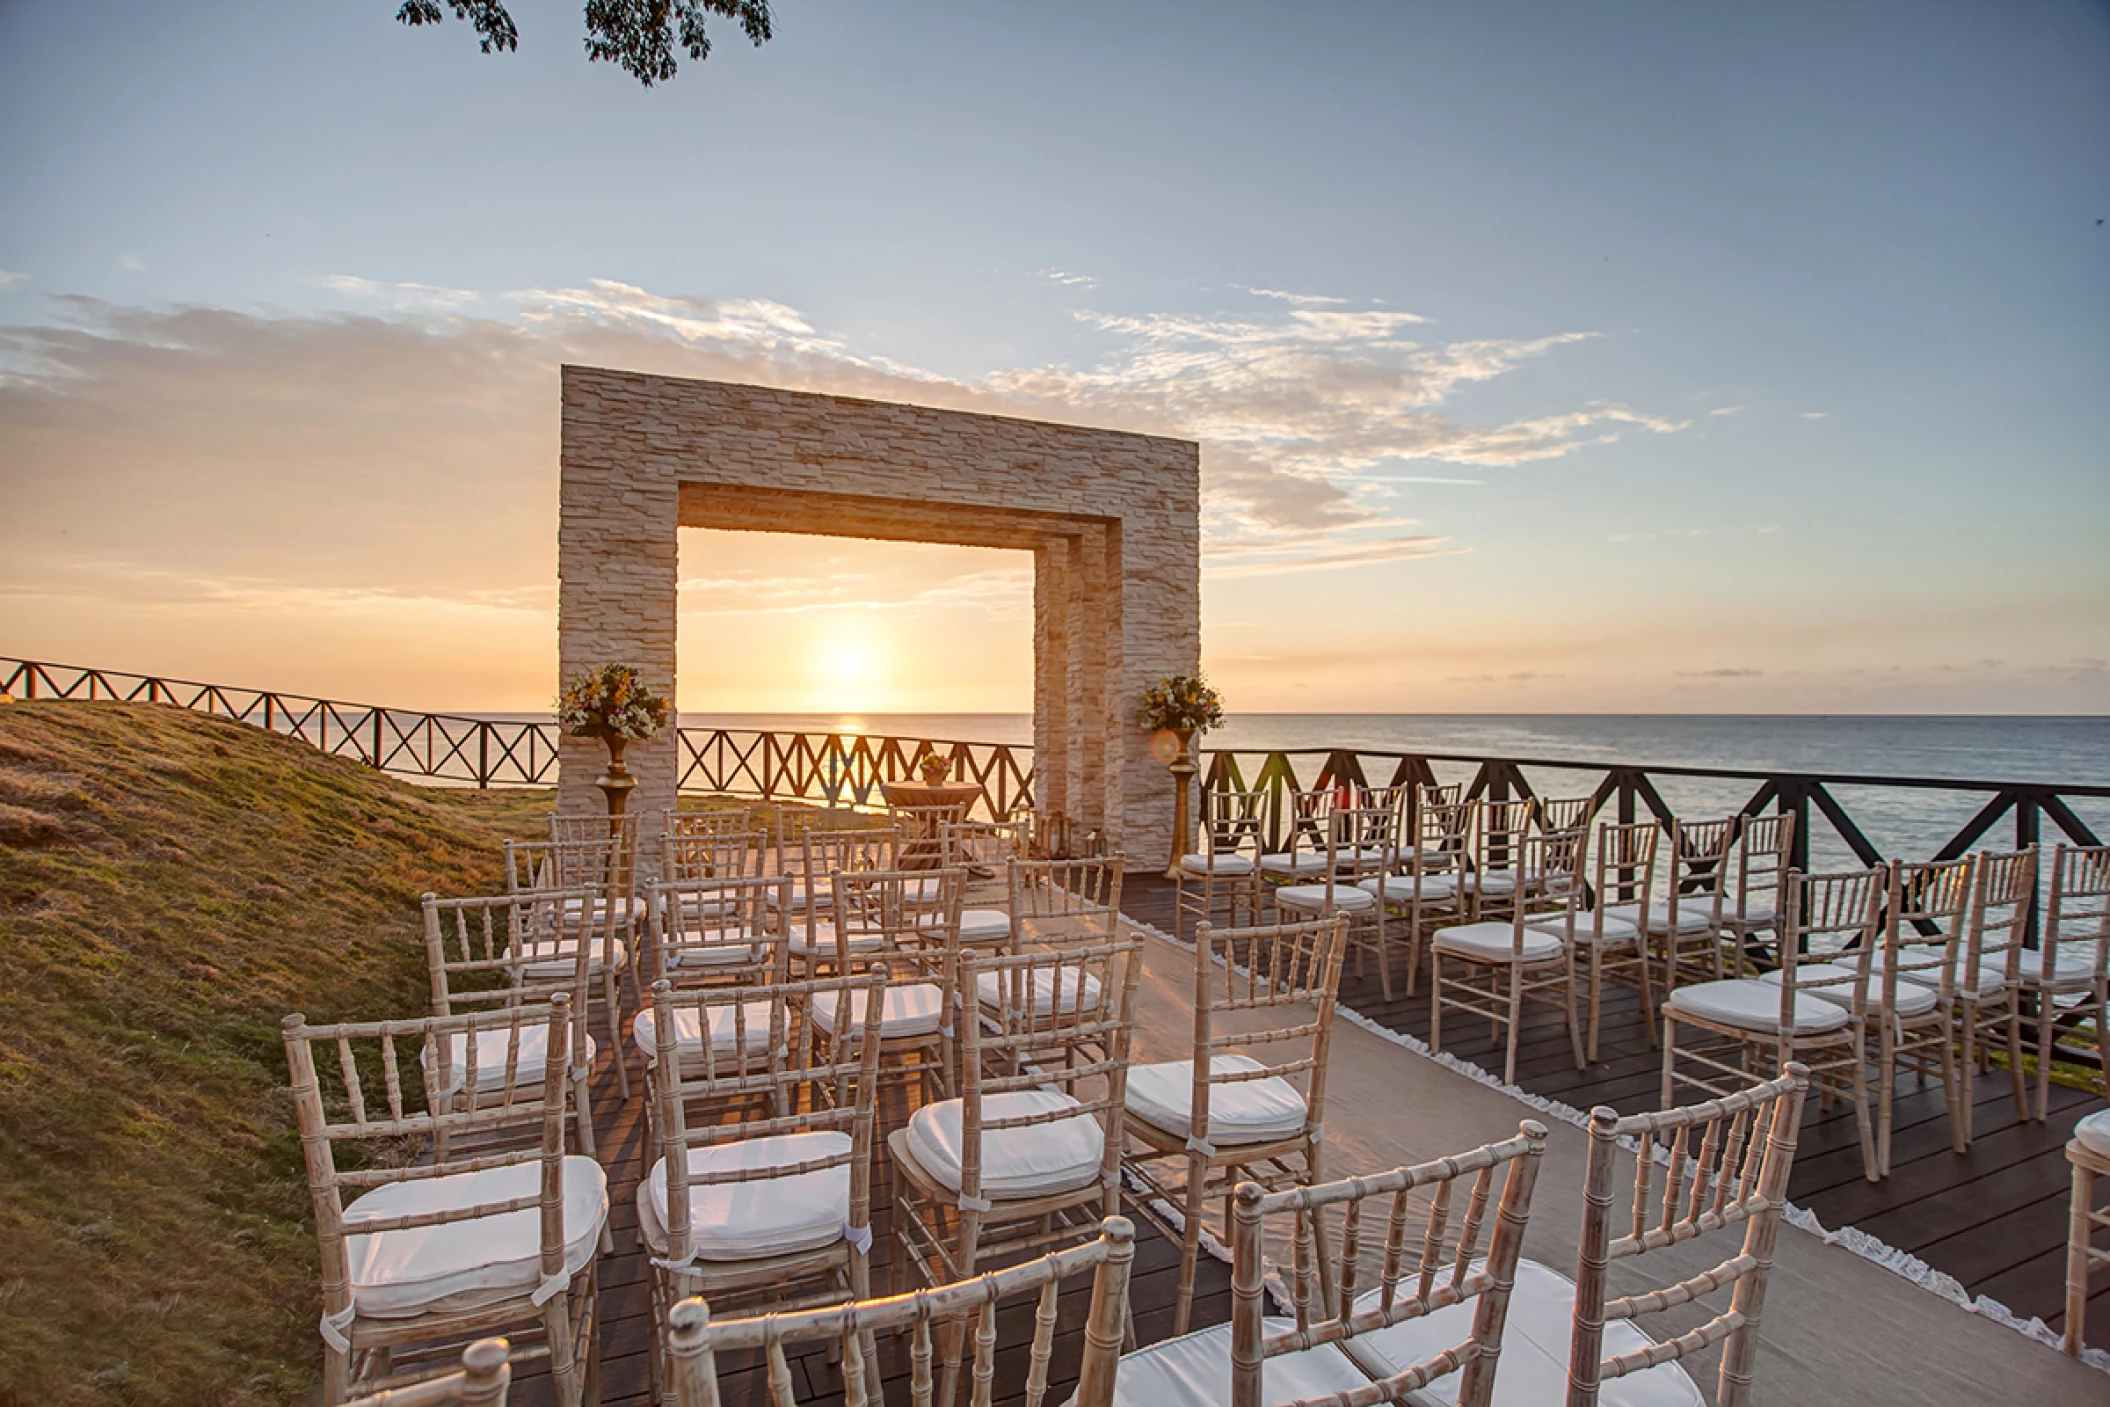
(1813, 415)
(1666, 532)
(9, 278)
(1729, 410)
(1308, 300)
(1273, 559)
(1066, 278)
(407, 296)
(1521, 676)
(1720, 673)
(131, 261)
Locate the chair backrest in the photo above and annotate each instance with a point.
(1382, 798)
(1932, 894)
(1062, 1018)
(1361, 842)
(820, 853)
(722, 854)
(471, 957)
(789, 822)
(623, 830)
(1231, 821)
(1417, 1274)
(1565, 813)
(1556, 861)
(1729, 1161)
(2002, 894)
(485, 1376)
(1275, 989)
(2077, 924)
(595, 865)
(1832, 921)
(720, 932)
(695, 1340)
(984, 843)
(1307, 815)
(1441, 794)
(704, 824)
(335, 1102)
(1499, 828)
(1446, 836)
(753, 1071)
(1765, 846)
(1626, 862)
(1698, 865)
(1064, 901)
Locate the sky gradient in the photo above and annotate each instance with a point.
(1621, 357)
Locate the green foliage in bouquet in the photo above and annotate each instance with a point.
(610, 702)
(1183, 701)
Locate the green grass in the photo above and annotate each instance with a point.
(170, 886)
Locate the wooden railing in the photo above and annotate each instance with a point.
(1628, 788)
(831, 768)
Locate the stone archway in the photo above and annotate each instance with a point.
(1112, 520)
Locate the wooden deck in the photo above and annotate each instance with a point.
(1994, 1217)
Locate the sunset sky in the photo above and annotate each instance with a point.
(1545, 357)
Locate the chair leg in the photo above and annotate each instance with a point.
(563, 1359)
(2014, 1055)
(1596, 999)
(1384, 957)
(1516, 1013)
(1436, 1002)
(2047, 1016)
(1951, 1088)
(1886, 1090)
(2078, 1239)
(1575, 1043)
(1967, 1099)
(1864, 1122)
(2102, 1033)
(1670, 1052)
(1190, 1240)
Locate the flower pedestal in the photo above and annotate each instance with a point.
(1182, 767)
(616, 783)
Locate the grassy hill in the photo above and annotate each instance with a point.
(170, 886)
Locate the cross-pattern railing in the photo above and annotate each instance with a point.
(1628, 788)
(832, 768)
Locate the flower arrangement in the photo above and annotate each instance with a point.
(610, 703)
(935, 768)
(1182, 702)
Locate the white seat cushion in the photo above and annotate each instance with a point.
(727, 1029)
(1285, 864)
(1694, 916)
(1757, 913)
(771, 1216)
(984, 925)
(1036, 1161)
(1399, 888)
(1535, 1344)
(1496, 881)
(1615, 930)
(1347, 898)
(552, 959)
(463, 1264)
(1217, 864)
(1244, 1111)
(2071, 968)
(627, 907)
(798, 893)
(1196, 1368)
(1837, 979)
(1496, 942)
(1992, 974)
(728, 952)
(822, 940)
(1754, 1005)
(911, 1009)
(992, 988)
(2094, 1132)
(491, 1049)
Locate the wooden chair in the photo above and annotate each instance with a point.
(1755, 894)
(909, 920)
(1563, 814)
(602, 926)
(982, 847)
(1602, 946)
(2071, 966)
(722, 854)
(470, 964)
(1526, 956)
(1029, 1155)
(1306, 858)
(710, 933)
(1320, 1352)
(1812, 1010)
(482, 1382)
(1911, 991)
(487, 1235)
(922, 830)
(1570, 1340)
(1986, 995)
(2089, 1153)
(1493, 885)
(591, 831)
(1062, 901)
(818, 854)
(1428, 888)
(761, 1188)
(1225, 876)
(1689, 915)
(928, 1317)
(1361, 846)
(1250, 1101)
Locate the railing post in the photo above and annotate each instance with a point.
(2028, 827)
(377, 739)
(483, 755)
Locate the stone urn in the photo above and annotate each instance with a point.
(616, 783)
(1182, 767)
